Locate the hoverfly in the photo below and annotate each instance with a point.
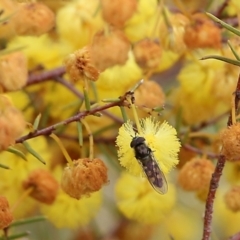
(145, 157)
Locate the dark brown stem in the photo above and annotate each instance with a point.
(48, 130)
(221, 8)
(211, 196)
(35, 78)
(216, 177)
(209, 123)
(236, 101)
(56, 75)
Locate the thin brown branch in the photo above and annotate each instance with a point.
(56, 75)
(221, 8)
(48, 130)
(216, 177)
(211, 196)
(35, 78)
(209, 123)
(236, 101)
(199, 151)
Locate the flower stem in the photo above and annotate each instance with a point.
(25, 194)
(91, 143)
(124, 114)
(135, 115)
(63, 149)
(85, 92)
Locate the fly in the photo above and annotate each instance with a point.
(145, 157)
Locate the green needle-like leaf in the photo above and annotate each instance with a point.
(37, 121)
(27, 221)
(4, 166)
(17, 152)
(225, 25)
(80, 133)
(33, 152)
(227, 60)
(124, 114)
(233, 51)
(16, 236)
(86, 100)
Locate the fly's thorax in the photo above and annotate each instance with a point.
(142, 151)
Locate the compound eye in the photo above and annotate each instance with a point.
(136, 141)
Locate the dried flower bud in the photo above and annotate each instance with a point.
(117, 12)
(84, 177)
(109, 49)
(7, 28)
(202, 33)
(230, 142)
(34, 19)
(194, 6)
(149, 94)
(6, 216)
(147, 53)
(11, 121)
(79, 65)
(232, 199)
(13, 71)
(196, 174)
(173, 40)
(43, 184)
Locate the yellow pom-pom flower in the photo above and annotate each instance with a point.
(42, 50)
(138, 201)
(210, 101)
(142, 23)
(76, 212)
(79, 18)
(123, 76)
(19, 172)
(160, 138)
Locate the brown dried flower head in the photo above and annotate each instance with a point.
(13, 71)
(196, 174)
(202, 33)
(173, 40)
(79, 65)
(109, 49)
(231, 142)
(84, 177)
(232, 199)
(44, 186)
(6, 216)
(7, 28)
(194, 6)
(33, 18)
(11, 121)
(149, 94)
(117, 12)
(147, 53)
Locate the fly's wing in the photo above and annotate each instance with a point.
(154, 174)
